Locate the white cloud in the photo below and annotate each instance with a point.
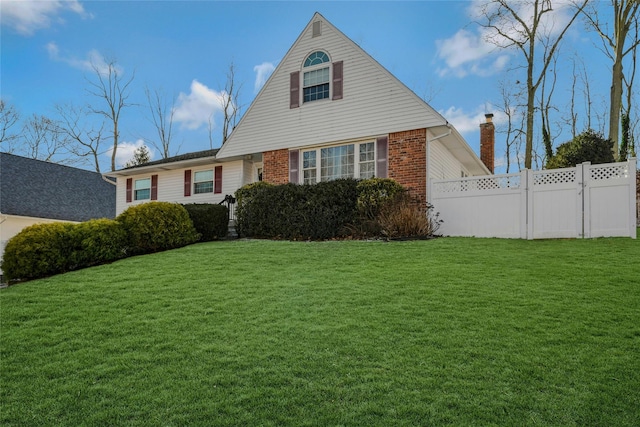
(198, 107)
(28, 16)
(467, 122)
(263, 71)
(477, 51)
(126, 151)
(93, 61)
(467, 53)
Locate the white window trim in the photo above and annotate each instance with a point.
(213, 179)
(135, 190)
(304, 70)
(356, 158)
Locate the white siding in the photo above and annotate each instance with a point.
(171, 185)
(248, 173)
(443, 163)
(374, 102)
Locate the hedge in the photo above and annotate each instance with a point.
(157, 226)
(326, 210)
(210, 221)
(43, 250)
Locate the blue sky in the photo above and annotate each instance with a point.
(184, 48)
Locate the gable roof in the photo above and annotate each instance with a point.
(39, 189)
(374, 103)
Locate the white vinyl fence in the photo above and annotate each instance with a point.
(584, 201)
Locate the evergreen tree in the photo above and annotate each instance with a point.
(589, 146)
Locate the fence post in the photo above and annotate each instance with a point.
(583, 176)
(524, 192)
(529, 190)
(632, 197)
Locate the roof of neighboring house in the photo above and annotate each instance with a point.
(39, 189)
(175, 162)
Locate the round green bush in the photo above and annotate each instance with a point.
(39, 250)
(157, 226)
(98, 241)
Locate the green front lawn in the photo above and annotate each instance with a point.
(244, 333)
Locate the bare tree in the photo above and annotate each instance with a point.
(230, 106)
(524, 25)
(513, 127)
(8, 118)
(113, 90)
(162, 113)
(587, 95)
(42, 139)
(84, 139)
(627, 144)
(625, 14)
(546, 107)
(210, 127)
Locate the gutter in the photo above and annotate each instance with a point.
(104, 178)
(428, 160)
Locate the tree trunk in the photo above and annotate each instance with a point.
(616, 102)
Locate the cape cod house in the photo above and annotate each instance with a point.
(328, 111)
(34, 192)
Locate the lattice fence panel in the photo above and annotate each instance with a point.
(478, 184)
(554, 177)
(601, 173)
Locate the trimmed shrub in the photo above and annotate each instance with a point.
(210, 221)
(291, 211)
(157, 226)
(97, 241)
(39, 250)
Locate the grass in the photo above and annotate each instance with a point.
(444, 332)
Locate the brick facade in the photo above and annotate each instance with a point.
(275, 166)
(408, 161)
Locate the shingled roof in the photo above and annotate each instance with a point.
(40, 189)
(179, 158)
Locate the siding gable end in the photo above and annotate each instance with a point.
(365, 89)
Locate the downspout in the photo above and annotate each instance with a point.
(429, 141)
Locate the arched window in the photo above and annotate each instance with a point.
(315, 81)
(316, 58)
(321, 79)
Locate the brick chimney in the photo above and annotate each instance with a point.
(487, 142)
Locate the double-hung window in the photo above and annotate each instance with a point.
(315, 81)
(203, 182)
(142, 189)
(339, 162)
